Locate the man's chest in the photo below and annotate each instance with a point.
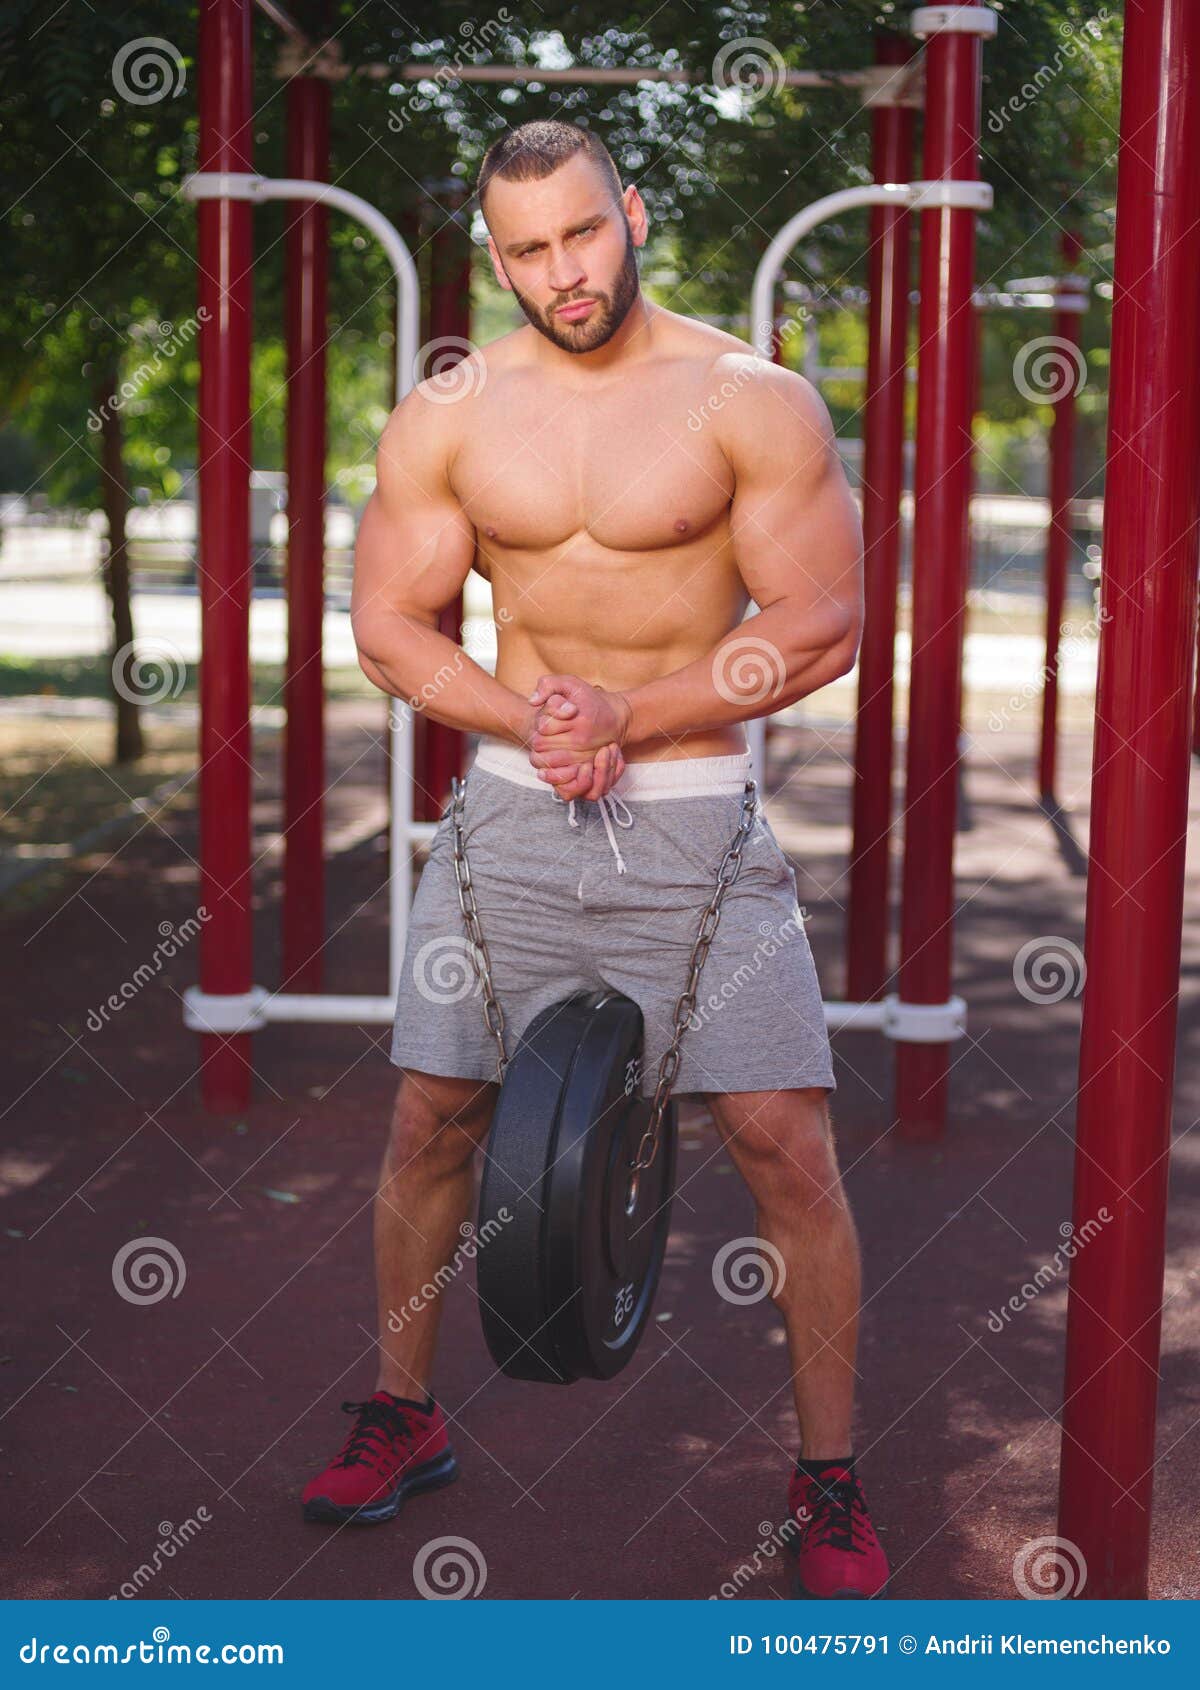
(634, 468)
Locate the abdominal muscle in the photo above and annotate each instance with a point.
(608, 635)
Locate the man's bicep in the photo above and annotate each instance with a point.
(415, 544)
(794, 524)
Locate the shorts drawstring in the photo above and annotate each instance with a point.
(608, 813)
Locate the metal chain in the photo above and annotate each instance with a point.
(668, 1068)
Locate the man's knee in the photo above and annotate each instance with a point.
(439, 1119)
(783, 1143)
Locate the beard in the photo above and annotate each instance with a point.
(610, 311)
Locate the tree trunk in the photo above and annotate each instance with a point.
(124, 673)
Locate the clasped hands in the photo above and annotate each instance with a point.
(574, 735)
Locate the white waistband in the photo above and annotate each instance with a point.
(679, 777)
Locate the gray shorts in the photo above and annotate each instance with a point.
(608, 893)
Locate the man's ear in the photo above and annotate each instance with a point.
(497, 267)
(635, 212)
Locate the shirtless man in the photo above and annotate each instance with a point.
(628, 480)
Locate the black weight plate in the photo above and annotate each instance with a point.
(519, 1148)
(602, 1264)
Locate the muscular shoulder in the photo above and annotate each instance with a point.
(766, 415)
(424, 431)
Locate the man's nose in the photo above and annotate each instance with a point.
(565, 273)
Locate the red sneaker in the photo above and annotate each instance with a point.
(397, 1447)
(833, 1543)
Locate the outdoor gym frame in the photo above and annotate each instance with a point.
(1144, 707)
(228, 1005)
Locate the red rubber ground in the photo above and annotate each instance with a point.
(122, 1422)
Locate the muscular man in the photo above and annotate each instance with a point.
(628, 480)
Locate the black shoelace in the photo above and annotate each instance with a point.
(835, 1506)
(378, 1424)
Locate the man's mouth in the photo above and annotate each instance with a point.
(577, 309)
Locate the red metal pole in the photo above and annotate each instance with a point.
(303, 913)
(449, 320)
(1139, 808)
(883, 484)
(225, 250)
(942, 486)
(1066, 329)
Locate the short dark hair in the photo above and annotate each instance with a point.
(534, 151)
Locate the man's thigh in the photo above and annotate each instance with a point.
(759, 1020)
(524, 870)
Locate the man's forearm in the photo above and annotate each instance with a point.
(427, 671)
(763, 665)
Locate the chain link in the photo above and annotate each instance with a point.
(685, 1007)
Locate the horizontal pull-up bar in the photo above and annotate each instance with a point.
(881, 84)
